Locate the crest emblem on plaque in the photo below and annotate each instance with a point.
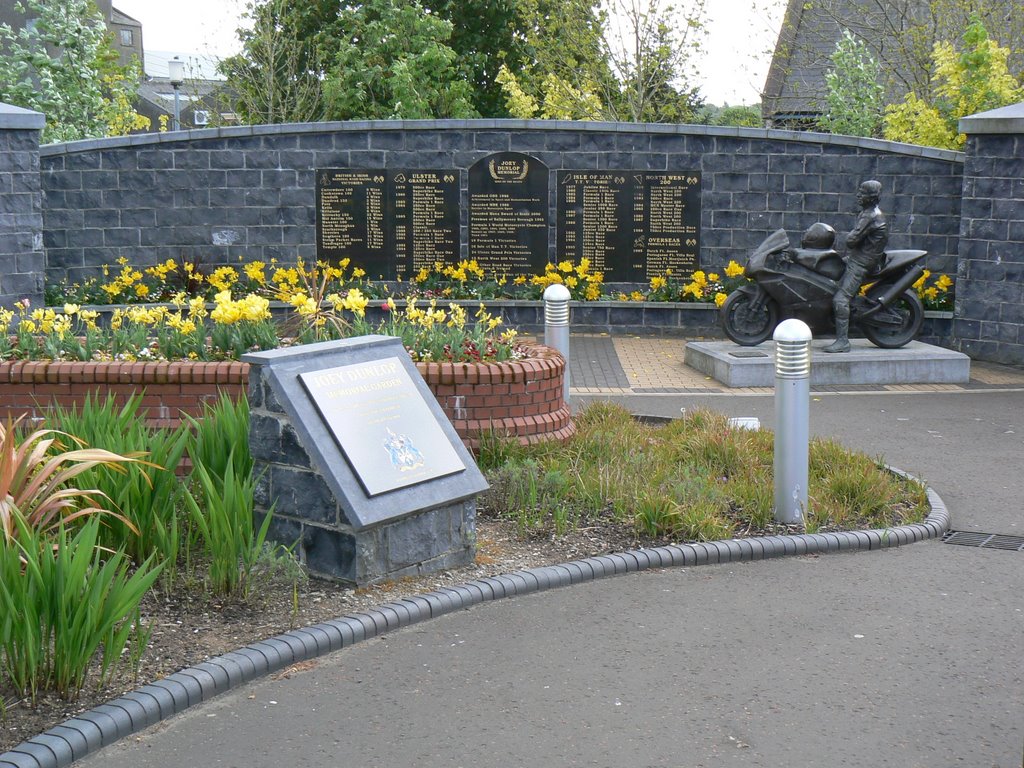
(403, 454)
(508, 169)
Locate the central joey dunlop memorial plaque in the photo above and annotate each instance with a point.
(390, 223)
(508, 214)
(631, 225)
(358, 462)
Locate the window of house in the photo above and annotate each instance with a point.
(126, 38)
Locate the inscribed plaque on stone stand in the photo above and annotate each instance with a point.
(508, 214)
(380, 421)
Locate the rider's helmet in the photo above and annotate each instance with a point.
(819, 236)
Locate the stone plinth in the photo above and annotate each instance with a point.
(916, 363)
(344, 529)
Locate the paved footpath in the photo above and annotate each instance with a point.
(909, 657)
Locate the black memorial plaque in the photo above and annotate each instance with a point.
(668, 237)
(632, 226)
(380, 421)
(424, 207)
(508, 214)
(350, 219)
(594, 210)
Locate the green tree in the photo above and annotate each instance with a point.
(485, 36)
(63, 65)
(653, 54)
(392, 61)
(855, 94)
(741, 115)
(278, 75)
(900, 34)
(630, 61)
(971, 80)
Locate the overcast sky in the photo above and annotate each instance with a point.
(733, 68)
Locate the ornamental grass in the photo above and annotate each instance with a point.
(696, 478)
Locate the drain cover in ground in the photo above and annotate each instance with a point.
(984, 540)
(748, 353)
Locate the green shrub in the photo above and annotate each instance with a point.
(226, 529)
(63, 598)
(150, 497)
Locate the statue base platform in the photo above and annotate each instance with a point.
(864, 364)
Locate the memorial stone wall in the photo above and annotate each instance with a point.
(22, 258)
(225, 196)
(989, 323)
(396, 196)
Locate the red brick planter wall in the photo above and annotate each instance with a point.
(521, 399)
(169, 388)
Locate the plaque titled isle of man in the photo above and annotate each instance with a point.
(631, 225)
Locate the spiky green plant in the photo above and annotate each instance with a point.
(35, 472)
(64, 598)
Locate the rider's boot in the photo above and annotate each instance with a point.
(842, 342)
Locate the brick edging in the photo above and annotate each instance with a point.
(145, 706)
(112, 372)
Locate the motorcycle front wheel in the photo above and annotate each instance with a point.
(906, 314)
(749, 317)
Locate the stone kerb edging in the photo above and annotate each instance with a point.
(129, 714)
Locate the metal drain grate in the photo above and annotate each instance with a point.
(984, 540)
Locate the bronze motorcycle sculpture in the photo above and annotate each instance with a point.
(801, 283)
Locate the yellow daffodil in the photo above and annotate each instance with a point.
(733, 269)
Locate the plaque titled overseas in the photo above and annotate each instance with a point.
(386, 431)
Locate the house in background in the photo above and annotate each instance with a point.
(127, 33)
(202, 99)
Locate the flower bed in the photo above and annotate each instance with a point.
(518, 398)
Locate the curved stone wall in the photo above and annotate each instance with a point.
(218, 196)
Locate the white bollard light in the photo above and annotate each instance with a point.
(556, 326)
(792, 417)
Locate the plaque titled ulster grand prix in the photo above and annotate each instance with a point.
(390, 223)
(631, 225)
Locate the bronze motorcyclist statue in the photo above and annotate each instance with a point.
(865, 250)
(814, 283)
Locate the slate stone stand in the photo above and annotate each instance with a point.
(318, 502)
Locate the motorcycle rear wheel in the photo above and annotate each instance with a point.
(746, 321)
(908, 306)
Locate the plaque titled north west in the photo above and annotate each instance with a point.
(380, 421)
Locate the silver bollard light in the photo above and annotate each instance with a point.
(792, 406)
(556, 326)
